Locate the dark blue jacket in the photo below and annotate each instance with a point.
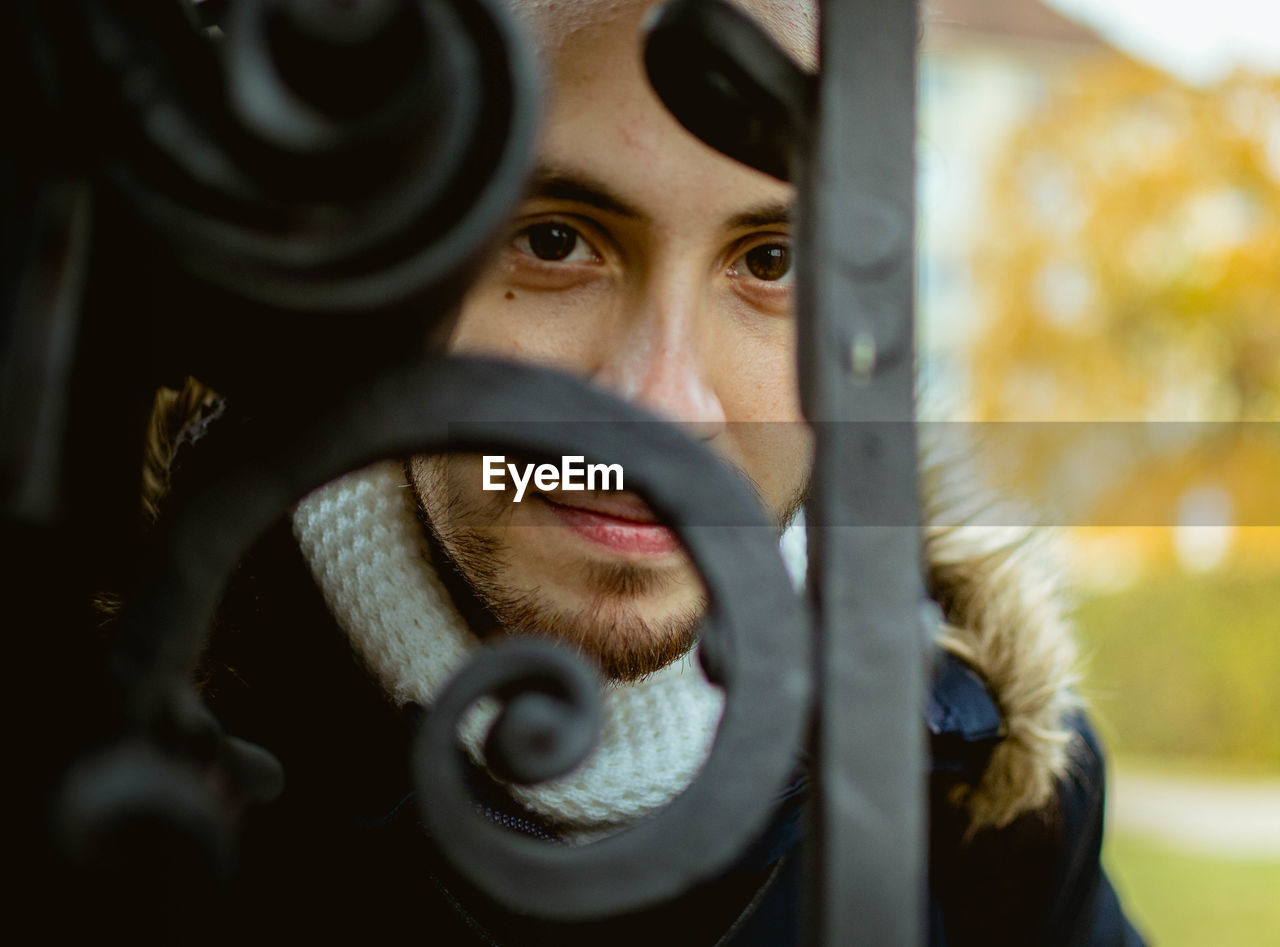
(1036, 881)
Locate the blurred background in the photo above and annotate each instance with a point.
(1100, 313)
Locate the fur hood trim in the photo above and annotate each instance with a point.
(1003, 615)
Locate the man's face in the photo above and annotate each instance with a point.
(659, 270)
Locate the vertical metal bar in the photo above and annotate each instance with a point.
(856, 352)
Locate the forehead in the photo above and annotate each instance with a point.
(605, 121)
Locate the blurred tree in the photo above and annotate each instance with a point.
(1131, 272)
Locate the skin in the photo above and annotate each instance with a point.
(657, 269)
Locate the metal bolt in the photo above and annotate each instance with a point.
(862, 355)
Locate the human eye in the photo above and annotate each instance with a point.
(768, 261)
(554, 241)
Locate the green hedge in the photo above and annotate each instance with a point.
(1187, 667)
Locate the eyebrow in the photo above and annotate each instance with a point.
(771, 214)
(562, 184)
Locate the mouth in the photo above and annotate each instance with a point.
(620, 522)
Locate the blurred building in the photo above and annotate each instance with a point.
(986, 65)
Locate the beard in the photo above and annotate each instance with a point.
(630, 620)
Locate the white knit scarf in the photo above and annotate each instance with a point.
(365, 546)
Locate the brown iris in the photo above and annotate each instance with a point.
(551, 241)
(769, 261)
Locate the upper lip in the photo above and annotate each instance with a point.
(623, 506)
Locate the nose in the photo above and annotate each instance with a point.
(658, 363)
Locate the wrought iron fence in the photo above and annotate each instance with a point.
(281, 205)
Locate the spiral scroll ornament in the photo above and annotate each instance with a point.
(318, 156)
(756, 627)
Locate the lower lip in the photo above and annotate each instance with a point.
(629, 536)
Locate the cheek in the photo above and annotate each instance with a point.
(767, 432)
(443, 483)
(779, 457)
(487, 320)
(756, 373)
(559, 330)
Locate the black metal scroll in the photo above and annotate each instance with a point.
(329, 156)
(162, 220)
(287, 202)
(755, 635)
(848, 140)
(856, 304)
(729, 83)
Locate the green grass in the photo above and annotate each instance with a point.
(1180, 899)
(1181, 678)
(1186, 667)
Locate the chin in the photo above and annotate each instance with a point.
(630, 614)
(629, 621)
